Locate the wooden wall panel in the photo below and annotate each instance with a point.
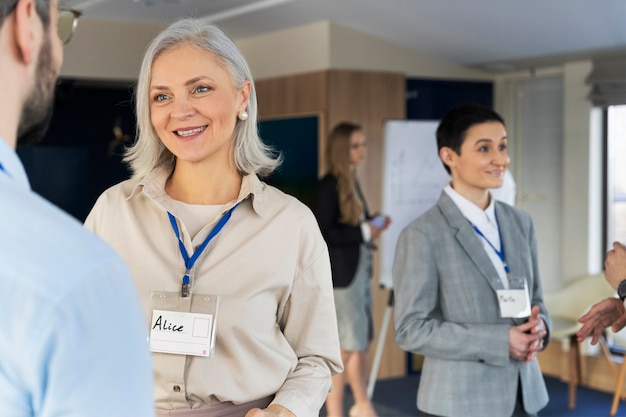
(370, 98)
(293, 94)
(366, 98)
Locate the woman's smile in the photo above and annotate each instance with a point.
(190, 131)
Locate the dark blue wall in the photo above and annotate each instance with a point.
(79, 157)
(431, 99)
(296, 138)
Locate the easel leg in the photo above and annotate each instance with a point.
(379, 346)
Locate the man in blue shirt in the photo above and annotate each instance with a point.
(73, 341)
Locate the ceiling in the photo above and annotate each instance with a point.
(497, 35)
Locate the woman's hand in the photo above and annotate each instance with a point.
(526, 339)
(274, 410)
(374, 231)
(377, 224)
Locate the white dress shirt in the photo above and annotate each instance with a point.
(486, 222)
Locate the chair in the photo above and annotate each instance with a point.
(565, 308)
(619, 338)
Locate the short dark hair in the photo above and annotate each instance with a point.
(456, 122)
(43, 10)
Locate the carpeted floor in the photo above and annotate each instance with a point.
(396, 398)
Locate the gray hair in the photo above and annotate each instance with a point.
(251, 155)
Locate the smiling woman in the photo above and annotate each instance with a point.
(193, 109)
(350, 231)
(201, 233)
(468, 296)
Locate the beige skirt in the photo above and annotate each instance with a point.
(222, 410)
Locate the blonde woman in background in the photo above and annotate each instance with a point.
(349, 229)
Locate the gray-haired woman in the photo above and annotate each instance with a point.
(234, 275)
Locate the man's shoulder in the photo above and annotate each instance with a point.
(48, 245)
(29, 214)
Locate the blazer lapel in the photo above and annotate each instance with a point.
(468, 240)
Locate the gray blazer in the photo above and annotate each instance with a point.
(447, 310)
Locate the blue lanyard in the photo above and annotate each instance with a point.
(500, 252)
(190, 261)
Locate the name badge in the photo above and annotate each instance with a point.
(181, 333)
(514, 303)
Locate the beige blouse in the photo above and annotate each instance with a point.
(276, 330)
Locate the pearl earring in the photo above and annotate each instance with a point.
(243, 115)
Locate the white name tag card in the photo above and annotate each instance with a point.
(181, 333)
(514, 303)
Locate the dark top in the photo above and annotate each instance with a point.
(343, 240)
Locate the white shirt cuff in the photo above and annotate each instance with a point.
(366, 232)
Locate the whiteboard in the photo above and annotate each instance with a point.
(413, 177)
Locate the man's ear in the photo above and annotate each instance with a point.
(26, 28)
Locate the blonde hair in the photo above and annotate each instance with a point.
(251, 155)
(338, 162)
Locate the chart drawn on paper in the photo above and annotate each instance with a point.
(413, 177)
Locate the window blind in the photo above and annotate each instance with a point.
(608, 81)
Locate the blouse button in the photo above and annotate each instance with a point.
(176, 388)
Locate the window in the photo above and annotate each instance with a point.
(615, 174)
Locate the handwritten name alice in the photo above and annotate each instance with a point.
(164, 325)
